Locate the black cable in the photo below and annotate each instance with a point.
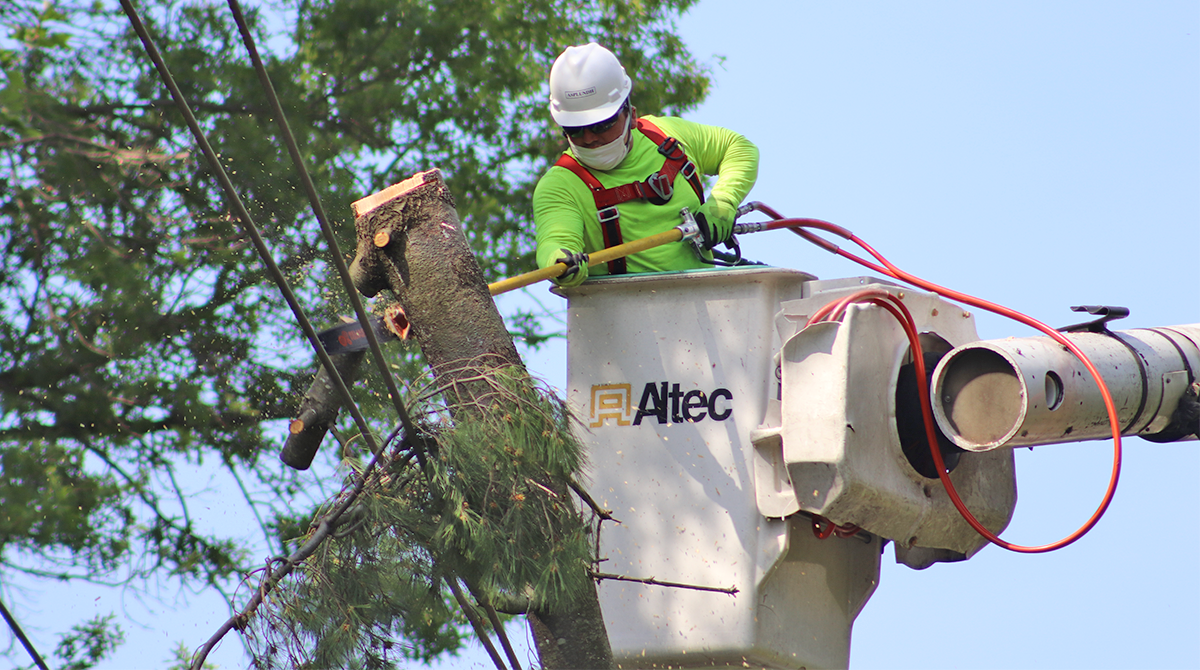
(247, 223)
(16, 629)
(319, 211)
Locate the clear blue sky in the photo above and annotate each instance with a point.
(1036, 154)
(1039, 155)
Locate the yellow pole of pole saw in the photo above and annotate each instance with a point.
(602, 256)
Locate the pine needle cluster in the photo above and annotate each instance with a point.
(490, 508)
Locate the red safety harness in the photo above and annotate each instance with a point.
(657, 189)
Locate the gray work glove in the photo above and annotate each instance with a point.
(573, 261)
(719, 218)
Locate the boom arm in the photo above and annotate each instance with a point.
(1020, 392)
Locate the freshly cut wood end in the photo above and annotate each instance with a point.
(395, 320)
(382, 238)
(365, 205)
(297, 426)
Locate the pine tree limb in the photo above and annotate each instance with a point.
(325, 528)
(511, 604)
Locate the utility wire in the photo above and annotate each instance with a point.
(319, 211)
(264, 253)
(322, 218)
(16, 629)
(239, 208)
(480, 632)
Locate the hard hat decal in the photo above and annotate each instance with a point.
(582, 93)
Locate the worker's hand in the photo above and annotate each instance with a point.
(706, 237)
(720, 221)
(573, 261)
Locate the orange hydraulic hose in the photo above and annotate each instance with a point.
(897, 308)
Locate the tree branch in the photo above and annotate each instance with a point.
(605, 514)
(324, 529)
(149, 498)
(249, 502)
(600, 576)
(162, 103)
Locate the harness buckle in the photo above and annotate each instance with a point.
(662, 187)
(688, 170)
(608, 214)
(670, 149)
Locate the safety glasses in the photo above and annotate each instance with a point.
(575, 132)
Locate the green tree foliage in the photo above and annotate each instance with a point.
(139, 339)
(88, 643)
(492, 509)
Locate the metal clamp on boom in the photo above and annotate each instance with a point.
(1105, 312)
(691, 231)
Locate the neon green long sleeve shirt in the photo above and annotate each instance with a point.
(565, 211)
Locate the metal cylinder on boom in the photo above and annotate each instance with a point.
(1030, 391)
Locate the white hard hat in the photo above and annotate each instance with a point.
(587, 85)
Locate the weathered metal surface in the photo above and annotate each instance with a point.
(1019, 392)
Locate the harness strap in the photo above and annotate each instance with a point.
(676, 160)
(657, 189)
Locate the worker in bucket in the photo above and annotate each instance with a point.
(624, 178)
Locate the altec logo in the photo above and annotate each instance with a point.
(664, 401)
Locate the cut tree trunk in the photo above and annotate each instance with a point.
(410, 240)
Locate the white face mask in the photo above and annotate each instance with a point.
(608, 156)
